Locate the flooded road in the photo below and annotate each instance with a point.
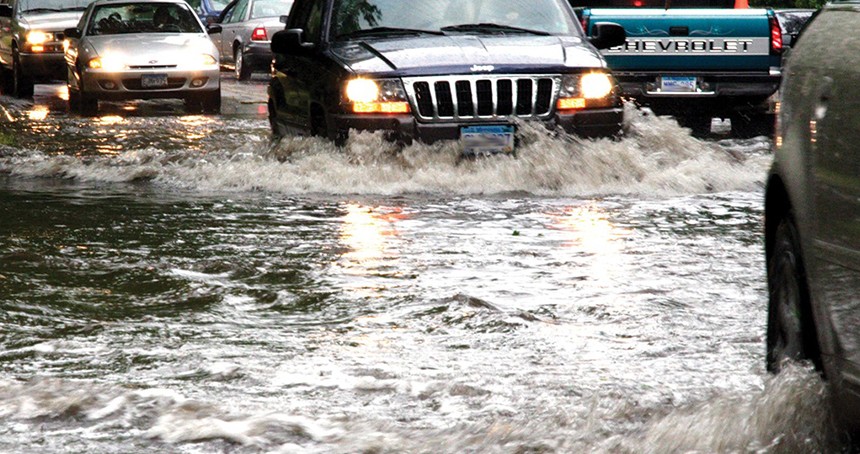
(183, 284)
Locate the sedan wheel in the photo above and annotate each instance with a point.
(243, 72)
(788, 300)
(22, 86)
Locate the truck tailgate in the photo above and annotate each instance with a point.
(690, 40)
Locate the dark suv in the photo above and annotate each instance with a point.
(446, 69)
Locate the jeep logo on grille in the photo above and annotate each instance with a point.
(482, 68)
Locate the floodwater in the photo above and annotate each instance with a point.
(173, 283)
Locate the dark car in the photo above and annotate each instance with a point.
(208, 10)
(246, 28)
(812, 210)
(31, 42)
(446, 69)
(792, 22)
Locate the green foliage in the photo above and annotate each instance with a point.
(7, 139)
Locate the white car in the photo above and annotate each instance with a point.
(152, 49)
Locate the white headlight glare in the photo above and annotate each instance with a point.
(37, 37)
(362, 90)
(595, 85)
(108, 63)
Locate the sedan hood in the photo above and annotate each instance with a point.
(467, 53)
(152, 48)
(52, 21)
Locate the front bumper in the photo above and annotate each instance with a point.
(127, 84)
(717, 91)
(43, 66)
(594, 123)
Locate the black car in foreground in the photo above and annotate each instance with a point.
(446, 69)
(812, 210)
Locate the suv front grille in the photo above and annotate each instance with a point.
(480, 97)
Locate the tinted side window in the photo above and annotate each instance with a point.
(238, 13)
(309, 18)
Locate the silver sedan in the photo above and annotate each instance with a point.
(247, 27)
(142, 50)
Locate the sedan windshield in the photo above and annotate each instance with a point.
(354, 18)
(48, 6)
(122, 18)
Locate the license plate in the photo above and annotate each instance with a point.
(678, 84)
(487, 139)
(153, 80)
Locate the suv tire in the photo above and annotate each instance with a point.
(22, 85)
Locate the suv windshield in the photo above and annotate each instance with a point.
(352, 18)
(35, 6)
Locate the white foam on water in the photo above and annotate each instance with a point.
(655, 157)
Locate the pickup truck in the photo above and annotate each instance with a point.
(467, 70)
(31, 42)
(695, 59)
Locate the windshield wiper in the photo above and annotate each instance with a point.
(387, 31)
(492, 28)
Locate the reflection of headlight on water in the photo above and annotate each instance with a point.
(38, 113)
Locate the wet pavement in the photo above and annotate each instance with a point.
(182, 283)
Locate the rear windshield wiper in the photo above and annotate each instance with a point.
(387, 31)
(492, 28)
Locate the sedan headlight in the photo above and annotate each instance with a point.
(208, 60)
(376, 96)
(107, 63)
(580, 91)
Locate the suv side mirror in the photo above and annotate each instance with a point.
(290, 42)
(607, 34)
(213, 29)
(5, 11)
(284, 19)
(72, 33)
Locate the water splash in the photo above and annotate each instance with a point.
(655, 157)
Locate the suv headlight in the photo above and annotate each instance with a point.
(588, 90)
(376, 96)
(37, 37)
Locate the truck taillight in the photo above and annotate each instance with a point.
(775, 36)
(259, 34)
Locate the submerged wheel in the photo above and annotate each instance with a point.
(87, 104)
(206, 102)
(790, 332)
(700, 125)
(748, 125)
(22, 85)
(242, 71)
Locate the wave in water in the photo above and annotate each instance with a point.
(655, 157)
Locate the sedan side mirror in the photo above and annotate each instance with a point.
(606, 35)
(213, 29)
(290, 42)
(72, 33)
(284, 19)
(5, 11)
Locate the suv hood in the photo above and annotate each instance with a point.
(51, 21)
(427, 55)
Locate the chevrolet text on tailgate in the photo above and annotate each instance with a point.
(695, 59)
(467, 70)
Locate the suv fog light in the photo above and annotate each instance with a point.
(108, 84)
(199, 82)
